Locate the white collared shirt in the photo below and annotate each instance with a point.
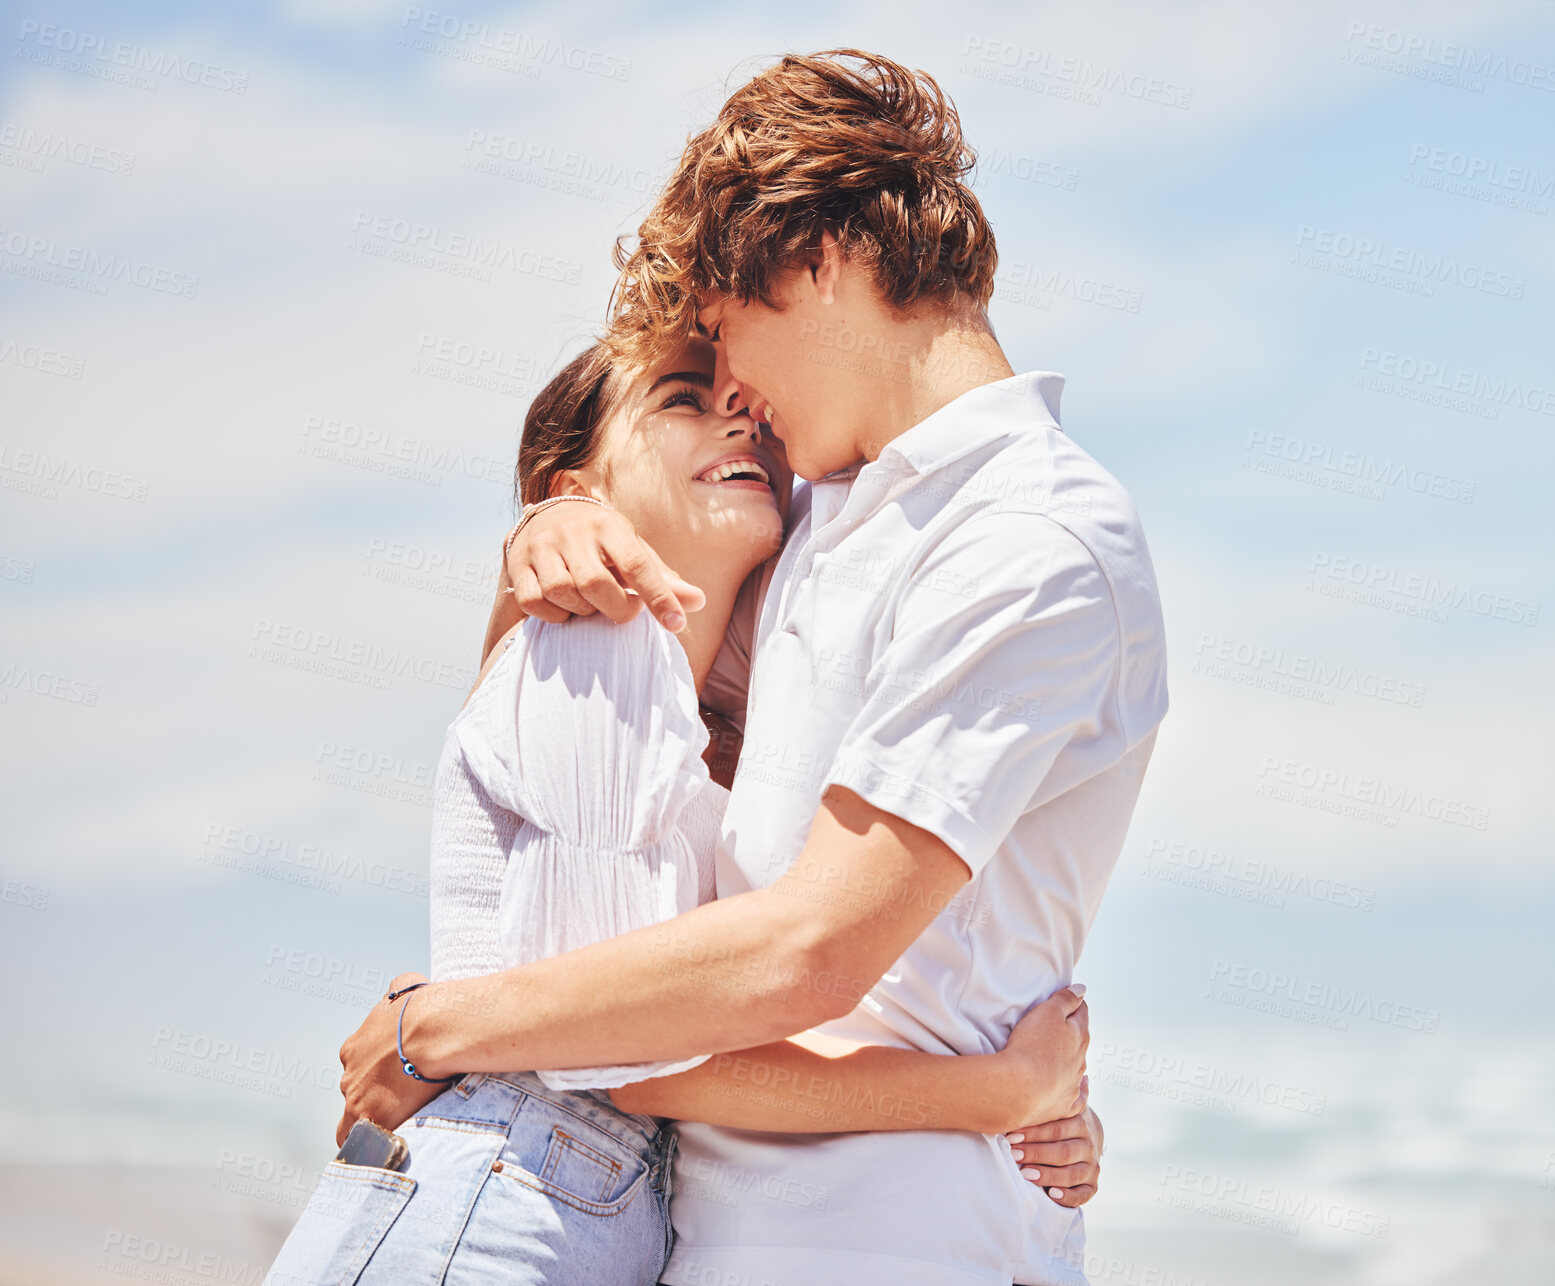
(967, 633)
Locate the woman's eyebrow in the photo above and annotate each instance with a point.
(700, 378)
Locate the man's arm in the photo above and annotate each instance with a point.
(740, 972)
(778, 961)
(748, 970)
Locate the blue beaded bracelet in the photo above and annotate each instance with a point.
(399, 1040)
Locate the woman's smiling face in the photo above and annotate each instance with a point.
(685, 476)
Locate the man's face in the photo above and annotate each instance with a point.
(784, 376)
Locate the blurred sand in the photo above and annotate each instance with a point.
(70, 1225)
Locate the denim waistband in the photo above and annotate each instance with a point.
(593, 1106)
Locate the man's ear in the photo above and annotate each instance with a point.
(825, 265)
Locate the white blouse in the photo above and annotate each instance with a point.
(572, 805)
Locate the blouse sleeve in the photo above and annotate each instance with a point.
(589, 731)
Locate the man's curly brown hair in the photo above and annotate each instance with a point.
(843, 141)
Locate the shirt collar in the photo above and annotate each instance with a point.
(976, 418)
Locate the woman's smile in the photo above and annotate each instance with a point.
(742, 471)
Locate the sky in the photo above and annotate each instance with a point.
(259, 406)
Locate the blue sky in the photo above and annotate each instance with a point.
(1255, 353)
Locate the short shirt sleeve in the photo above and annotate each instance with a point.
(1001, 667)
(589, 730)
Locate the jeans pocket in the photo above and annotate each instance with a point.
(345, 1221)
(589, 1172)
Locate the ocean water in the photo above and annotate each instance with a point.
(1246, 1146)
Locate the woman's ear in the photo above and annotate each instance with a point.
(572, 482)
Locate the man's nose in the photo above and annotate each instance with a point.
(729, 395)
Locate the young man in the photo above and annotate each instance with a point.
(955, 680)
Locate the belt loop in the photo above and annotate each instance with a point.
(671, 1149)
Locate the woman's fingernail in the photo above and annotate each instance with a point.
(1020, 1154)
(1056, 1193)
(1031, 1172)
(1078, 988)
(1016, 1138)
(674, 622)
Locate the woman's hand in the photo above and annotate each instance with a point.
(372, 1081)
(1046, 1051)
(574, 560)
(1063, 1157)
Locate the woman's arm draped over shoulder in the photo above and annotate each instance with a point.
(580, 559)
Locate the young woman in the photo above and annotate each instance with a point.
(573, 804)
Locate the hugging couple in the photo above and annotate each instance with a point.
(757, 887)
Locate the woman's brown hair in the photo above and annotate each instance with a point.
(843, 141)
(562, 426)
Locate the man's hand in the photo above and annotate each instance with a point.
(1047, 1049)
(372, 1081)
(577, 559)
(1063, 1157)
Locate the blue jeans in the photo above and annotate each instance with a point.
(508, 1182)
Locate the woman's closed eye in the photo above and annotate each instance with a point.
(686, 396)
